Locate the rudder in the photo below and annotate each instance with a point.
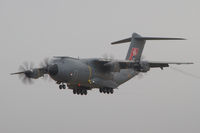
(136, 47)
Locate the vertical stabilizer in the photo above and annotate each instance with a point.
(137, 45)
(135, 48)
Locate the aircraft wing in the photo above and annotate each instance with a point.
(116, 65)
(155, 64)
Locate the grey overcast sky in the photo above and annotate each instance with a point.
(160, 102)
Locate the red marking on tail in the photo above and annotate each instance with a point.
(134, 52)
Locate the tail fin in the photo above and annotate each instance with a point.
(137, 45)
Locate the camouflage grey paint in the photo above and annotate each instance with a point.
(106, 74)
(83, 71)
(135, 48)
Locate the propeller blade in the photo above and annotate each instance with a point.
(17, 73)
(108, 57)
(45, 62)
(25, 72)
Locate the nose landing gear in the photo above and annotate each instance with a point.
(61, 86)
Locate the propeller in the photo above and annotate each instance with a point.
(25, 73)
(108, 57)
(45, 64)
(141, 75)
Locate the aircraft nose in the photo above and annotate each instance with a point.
(53, 69)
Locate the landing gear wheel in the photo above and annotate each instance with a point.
(85, 92)
(74, 91)
(60, 87)
(111, 91)
(78, 91)
(100, 90)
(107, 90)
(104, 90)
(63, 86)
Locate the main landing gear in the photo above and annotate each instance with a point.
(81, 91)
(106, 90)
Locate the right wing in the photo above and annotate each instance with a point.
(116, 65)
(161, 65)
(113, 65)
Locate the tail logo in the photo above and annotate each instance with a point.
(134, 52)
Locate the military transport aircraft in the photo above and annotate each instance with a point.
(81, 75)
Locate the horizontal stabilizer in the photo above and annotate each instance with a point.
(158, 38)
(146, 38)
(122, 41)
